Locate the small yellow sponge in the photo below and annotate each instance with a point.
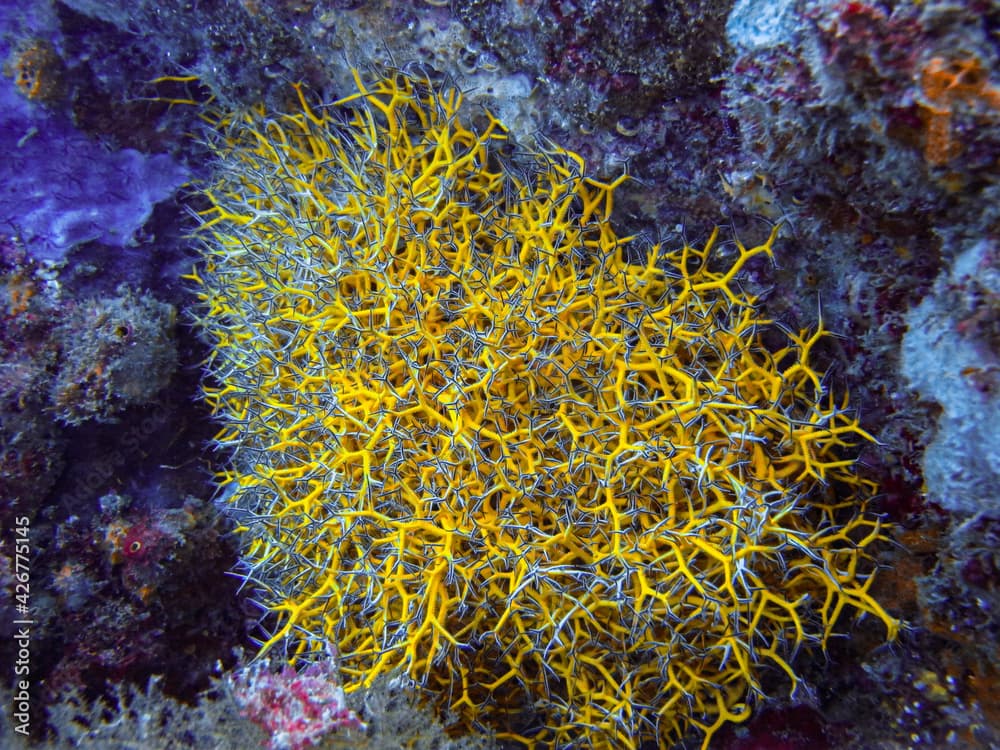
(552, 475)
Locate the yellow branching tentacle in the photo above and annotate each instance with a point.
(479, 437)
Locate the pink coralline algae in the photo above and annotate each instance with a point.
(296, 709)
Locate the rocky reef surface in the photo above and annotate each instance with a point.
(869, 131)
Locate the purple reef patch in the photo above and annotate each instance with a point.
(59, 188)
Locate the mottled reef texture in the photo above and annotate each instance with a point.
(871, 130)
